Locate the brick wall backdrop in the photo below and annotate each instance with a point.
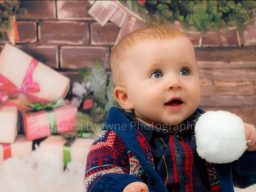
(63, 35)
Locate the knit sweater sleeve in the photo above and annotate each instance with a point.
(107, 167)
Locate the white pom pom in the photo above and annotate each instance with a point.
(220, 137)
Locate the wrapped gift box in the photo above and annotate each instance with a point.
(44, 123)
(8, 123)
(32, 79)
(80, 149)
(75, 151)
(20, 148)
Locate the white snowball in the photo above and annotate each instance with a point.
(220, 137)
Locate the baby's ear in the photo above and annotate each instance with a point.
(122, 98)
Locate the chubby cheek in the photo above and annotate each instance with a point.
(198, 94)
(193, 95)
(195, 98)
(144, 103)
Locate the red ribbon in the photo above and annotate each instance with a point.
(29, 87)
(7, 153)
(7, 89)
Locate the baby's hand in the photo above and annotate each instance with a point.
(136, 187)
(250, 134)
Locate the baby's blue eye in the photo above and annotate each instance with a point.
(185, 71)
(156, 74)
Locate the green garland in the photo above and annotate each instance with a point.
(202, 15)
(99, 90)
(8, 9)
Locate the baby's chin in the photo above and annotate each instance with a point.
(174, 121)
(167, 123)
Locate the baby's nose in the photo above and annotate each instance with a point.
(174, 82)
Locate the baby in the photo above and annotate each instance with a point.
(149, 144)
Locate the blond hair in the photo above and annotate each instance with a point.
(154, 32)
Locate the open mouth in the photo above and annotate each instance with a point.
(174, 102)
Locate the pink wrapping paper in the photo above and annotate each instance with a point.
(37, 124)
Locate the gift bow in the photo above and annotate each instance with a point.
(7, 89)
(28, 87)
(48, 106)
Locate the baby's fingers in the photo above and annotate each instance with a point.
(136, 187)
(250, 131)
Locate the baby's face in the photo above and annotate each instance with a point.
(161, 80)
